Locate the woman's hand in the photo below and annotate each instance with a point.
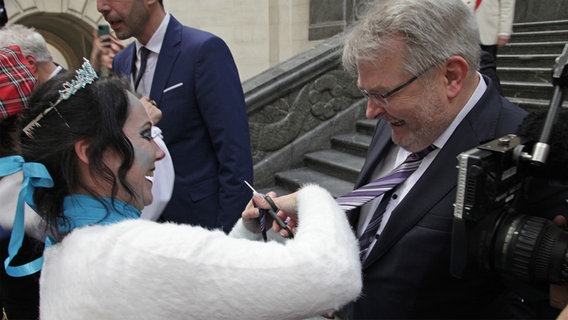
(287, 212)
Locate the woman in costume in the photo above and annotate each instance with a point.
(93, 137)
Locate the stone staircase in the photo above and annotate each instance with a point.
(336, 168)
(525, 64)
(524, 67)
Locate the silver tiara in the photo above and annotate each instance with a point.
(84, 76)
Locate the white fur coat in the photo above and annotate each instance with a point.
(140, 269)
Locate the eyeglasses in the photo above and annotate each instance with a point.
(382, 98)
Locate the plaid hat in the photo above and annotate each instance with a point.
(16, 81)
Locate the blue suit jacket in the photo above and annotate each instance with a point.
(204, 123)
(407, 273)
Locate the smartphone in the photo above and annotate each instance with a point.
(104, 29)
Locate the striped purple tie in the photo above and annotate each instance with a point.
(370, 191)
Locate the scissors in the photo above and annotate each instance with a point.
(272, 212)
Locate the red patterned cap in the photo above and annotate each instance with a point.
(16, 81)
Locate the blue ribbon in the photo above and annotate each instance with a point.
(35, 175)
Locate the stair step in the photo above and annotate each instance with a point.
(526, 60)
(525, 74)
(335, 163)
(366, 126)
(295, 178)
(277, 189)
(533, 105)
(353, 143)
(547, 35)
(544, 47)
(532, 90)
(540, 26)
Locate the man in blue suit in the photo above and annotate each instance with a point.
(417, 63)
(192, 77)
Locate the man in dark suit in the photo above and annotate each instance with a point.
(193, 79)
(417, 62)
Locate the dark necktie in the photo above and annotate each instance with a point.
(144, 52)
(383, 185)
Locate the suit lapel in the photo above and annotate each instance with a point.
(129, 60)
(378, 149)
(167, 58)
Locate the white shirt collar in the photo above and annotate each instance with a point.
(477, 94)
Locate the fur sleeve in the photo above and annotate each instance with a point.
(141, 269)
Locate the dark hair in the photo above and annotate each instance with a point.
(4, 14)
(97, 113)
(8, 142)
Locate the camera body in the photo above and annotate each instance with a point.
(488, 232)
(488, 178)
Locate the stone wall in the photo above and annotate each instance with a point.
(260, 33)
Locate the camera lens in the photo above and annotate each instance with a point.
(532, 249)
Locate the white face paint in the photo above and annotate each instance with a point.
(138, 128)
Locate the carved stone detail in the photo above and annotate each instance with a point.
(281, 122)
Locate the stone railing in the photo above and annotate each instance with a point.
(296, 106)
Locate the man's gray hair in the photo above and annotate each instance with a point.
(28, 39)
(432, 30)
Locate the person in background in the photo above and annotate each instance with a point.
(495, 21)
(93, 186)
(192, 77)
(33, 47)
(104, 49)
(19, 297)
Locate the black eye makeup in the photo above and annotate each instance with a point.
(147, 134)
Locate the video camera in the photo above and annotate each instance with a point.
(487, 232)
